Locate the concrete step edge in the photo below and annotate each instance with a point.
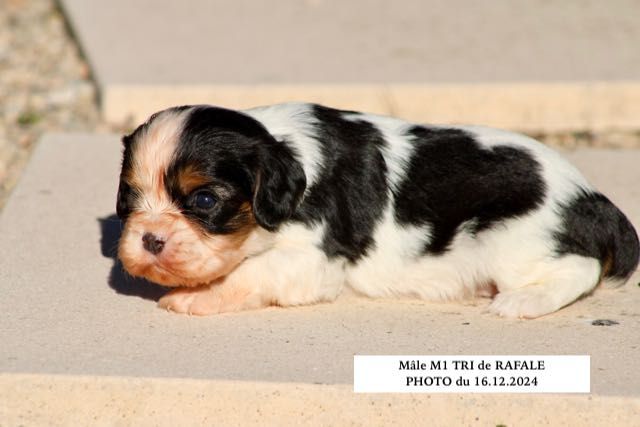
(526, 106)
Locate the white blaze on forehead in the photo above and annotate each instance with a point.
(152, 153)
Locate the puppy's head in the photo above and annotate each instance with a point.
(198, 188)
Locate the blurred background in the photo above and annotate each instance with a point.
(567, 72)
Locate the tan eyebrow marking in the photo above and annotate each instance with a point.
(189, 178)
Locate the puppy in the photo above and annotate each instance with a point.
(289, 204)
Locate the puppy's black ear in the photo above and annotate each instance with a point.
(126, 140)
(123, 201)
(123, 207)
(279, 186)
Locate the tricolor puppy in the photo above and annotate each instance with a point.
(290, 204)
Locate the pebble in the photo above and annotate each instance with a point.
(604, 322)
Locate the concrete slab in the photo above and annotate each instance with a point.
(69, 310)
(531, 66)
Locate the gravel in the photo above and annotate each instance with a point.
(46, 86)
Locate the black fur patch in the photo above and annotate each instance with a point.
(453, 179)
(125, 200)
(219, 144)
(239, 155)
(594, 227)
(351, 191)
(281, 185)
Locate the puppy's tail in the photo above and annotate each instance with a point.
(594, 227)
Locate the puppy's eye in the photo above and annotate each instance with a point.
(204, 200)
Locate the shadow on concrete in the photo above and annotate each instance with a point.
(119, 280)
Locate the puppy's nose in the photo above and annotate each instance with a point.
(152, 243)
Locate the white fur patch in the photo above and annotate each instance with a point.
(295, 124)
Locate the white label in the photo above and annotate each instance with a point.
(471, 374)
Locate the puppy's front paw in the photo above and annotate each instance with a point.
(199, 301)
(527, 303)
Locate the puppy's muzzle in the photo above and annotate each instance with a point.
(152, 243)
